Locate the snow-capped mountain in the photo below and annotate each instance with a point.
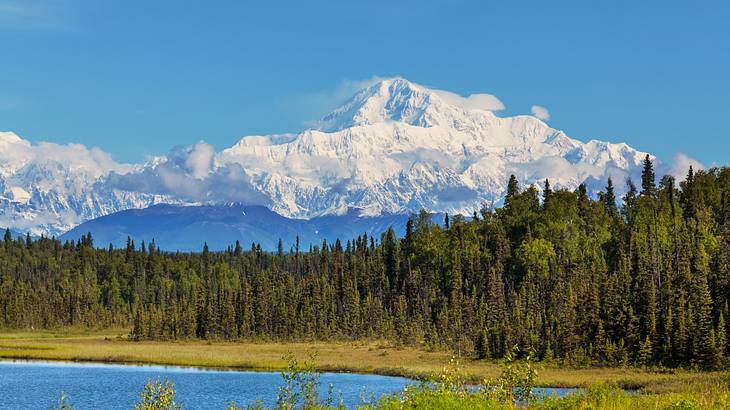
(50, 188)
(394, 147)
(397, 145)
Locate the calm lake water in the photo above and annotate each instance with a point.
(38, 384)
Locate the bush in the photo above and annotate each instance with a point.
(301, 386)
(516, 381)
(158, 396)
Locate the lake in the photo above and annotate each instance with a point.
(38, 384)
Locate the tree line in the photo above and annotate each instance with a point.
(556, 272)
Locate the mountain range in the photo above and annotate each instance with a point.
(188, 228)
(394, 148)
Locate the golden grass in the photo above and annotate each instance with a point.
(361, 357)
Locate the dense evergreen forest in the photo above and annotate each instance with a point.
(557, 272)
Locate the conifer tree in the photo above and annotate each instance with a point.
(721, 338)
(608, 199)
(629, 209)
(547, 192)
(646, 352)
(704, 343)
(482, 346)
(687, 197)
(648, 179)
(513, 188)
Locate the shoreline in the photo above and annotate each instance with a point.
(92, 362)
(206, 368)
(365, 357)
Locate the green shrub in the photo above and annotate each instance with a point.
(301, 386)
(158, 396)
(516, 381)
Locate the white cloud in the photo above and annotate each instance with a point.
(192, 174)
(92, 162)
(481, 101)
(200, 159)
(540, 112)
(679, 166)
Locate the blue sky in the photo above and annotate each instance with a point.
(137, 77)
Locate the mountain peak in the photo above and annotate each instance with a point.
(399, 100)
(10, 138)
(393, 99)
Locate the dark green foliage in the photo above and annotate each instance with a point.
(608, 198)
(648, 178)
(572, 279)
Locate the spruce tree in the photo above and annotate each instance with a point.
(722, 272)
(608, 199)
(547, 192)
(646, 352)
(482, 346)
(648, 179)
(721, 337)
(513, 188)
(687, 198)
(704, 337)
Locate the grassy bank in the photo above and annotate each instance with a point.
(362, 357)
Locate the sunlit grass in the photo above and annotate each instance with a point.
(660, 388)
(362, 357)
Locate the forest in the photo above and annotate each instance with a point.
(638, 280)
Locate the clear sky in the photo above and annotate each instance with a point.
(138, 77)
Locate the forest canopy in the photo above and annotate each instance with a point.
(644, 279)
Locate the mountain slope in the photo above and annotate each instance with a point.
(49, 188)
(400, 146)
(394, 147)
(187, 228)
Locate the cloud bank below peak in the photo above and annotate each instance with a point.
(191, 174)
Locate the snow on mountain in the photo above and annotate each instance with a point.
(400, 146)
(393, 147)
(50, 188)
